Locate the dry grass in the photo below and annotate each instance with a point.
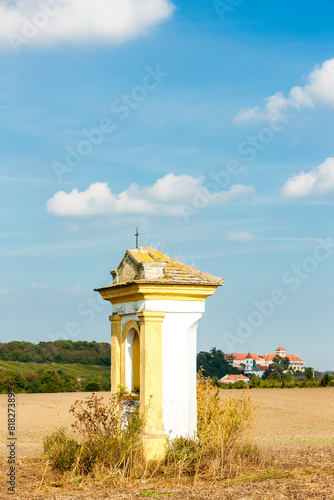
(294, 458)
(301, 483)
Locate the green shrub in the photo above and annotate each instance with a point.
(61, 449)
(92, 386)
(290, 384)
(221, 426)
(240, 385)
(106, 438)
(324, 382)
(255, 382)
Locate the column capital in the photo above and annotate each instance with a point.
(151, 316)
(114, 318)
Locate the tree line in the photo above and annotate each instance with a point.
(46, 380)
(326, 380)
(278, 374)
(214, 365)
(60, 351)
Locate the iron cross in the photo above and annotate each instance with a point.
(137, 236)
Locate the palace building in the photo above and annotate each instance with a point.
(262, 361)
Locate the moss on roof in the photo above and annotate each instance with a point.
(173, 271)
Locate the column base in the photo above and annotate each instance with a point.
(154, 446)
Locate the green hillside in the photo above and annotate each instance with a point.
(52, 377)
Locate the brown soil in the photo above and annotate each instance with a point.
(292, 415)
(295, 425)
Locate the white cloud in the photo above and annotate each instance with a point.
(40, 286)
(318, 182)
(76, 289)
(319, 89)
(243, 237)
(50, 22)
(172, 195)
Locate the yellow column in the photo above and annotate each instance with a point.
(116, 335)
(154, 440)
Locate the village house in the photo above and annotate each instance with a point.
(238, 360)
(232, 379)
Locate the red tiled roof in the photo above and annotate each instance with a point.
(243, 356)
(262, 367)
(293, 357)
(280, 348)
(269, 357)
(235, 377)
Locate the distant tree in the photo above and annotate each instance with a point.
(288, 376)
(11, 379)
(32, 382)
(50, 381)
(282, 363)
(308, 373)
(277, 368)
(255, 382)
(275, 375)
(324, 382)
(92, 386)
(214, 364)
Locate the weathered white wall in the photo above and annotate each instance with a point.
(179, 373)
(179, 347)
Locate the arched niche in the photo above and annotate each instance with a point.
(131, 356)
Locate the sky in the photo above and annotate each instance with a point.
(206, 124)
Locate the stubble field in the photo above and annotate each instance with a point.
(294, 430)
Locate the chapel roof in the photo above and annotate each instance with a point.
(146, 265)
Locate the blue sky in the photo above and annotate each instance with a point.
(217, 126)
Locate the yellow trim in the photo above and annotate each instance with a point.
(135, 291)
(154, 446)
(116, 335)
(151, 382)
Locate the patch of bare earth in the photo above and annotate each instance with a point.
(294, 431)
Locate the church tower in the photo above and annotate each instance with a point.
(249, 363)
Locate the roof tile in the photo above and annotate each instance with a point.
(146, 265)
